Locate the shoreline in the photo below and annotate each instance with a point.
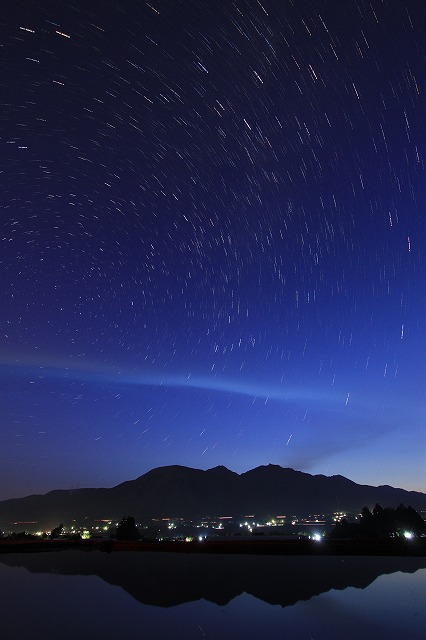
(390, 547)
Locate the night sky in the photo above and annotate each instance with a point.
(212, 239)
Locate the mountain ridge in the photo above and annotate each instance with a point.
(186, 492)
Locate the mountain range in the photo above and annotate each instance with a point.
(178, 491)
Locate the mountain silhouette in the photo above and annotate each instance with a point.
(177, 491)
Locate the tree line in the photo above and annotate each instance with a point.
(382, 523)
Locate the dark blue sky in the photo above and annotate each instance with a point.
(212, 239)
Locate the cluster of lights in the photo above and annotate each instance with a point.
(249, 525)
(339, 515)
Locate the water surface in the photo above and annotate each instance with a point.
(163, 595)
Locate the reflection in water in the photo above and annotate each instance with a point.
(72, 593)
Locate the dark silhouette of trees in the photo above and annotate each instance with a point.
(57, 531)
(21, 535)
(409, 520)
(127, 529)
(382, 523)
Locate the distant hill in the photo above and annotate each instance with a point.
(177, 491)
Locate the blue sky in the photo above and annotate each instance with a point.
(212, 229)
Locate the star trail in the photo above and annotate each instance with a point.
(212, 232)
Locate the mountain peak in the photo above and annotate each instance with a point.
(220, 469)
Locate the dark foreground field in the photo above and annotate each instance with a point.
(390, 547)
